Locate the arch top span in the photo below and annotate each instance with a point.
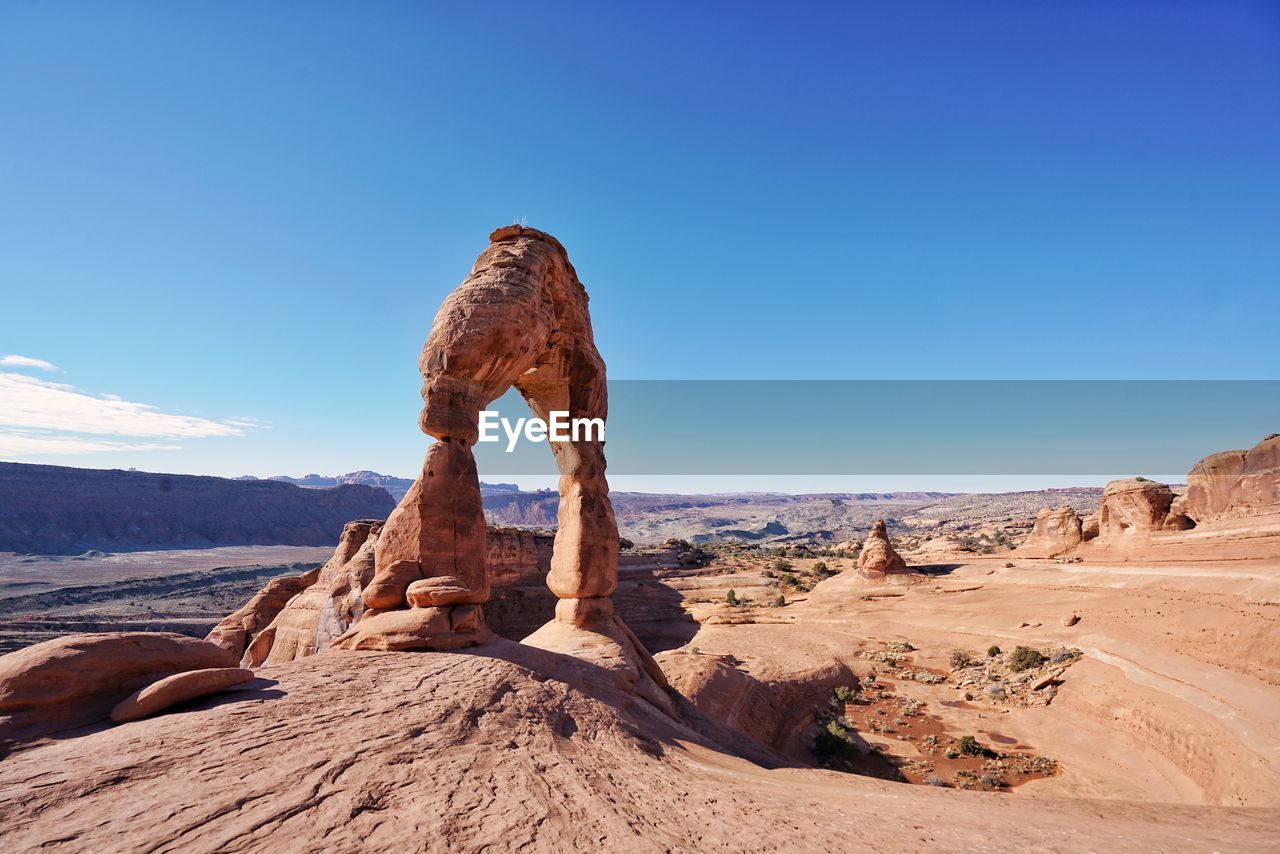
(520, 318)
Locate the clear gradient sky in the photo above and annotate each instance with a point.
(238, 219)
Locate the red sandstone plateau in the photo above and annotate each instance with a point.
(440, 684)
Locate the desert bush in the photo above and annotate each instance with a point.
(834, 743)
(780, 602)
(1025, 658)
(960, 658)
(934, 780)
(993, 651)
(731, 597)
(844, 694)
(969, 746)
(781, 565)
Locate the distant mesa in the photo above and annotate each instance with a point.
(57, 510)
(397, 486)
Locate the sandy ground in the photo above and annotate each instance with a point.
(1177, 697)
(23, 574)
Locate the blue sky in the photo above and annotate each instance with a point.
(239, 219)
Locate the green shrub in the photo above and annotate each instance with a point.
(993, 651)
(844, 694)
(834, 743)
(780, 602)
(968, 745)
(1025, 658)
(960, 658)
(782, 565)
(731, 597)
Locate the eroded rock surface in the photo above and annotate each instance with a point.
(74, 681)
(1133, 507)
(1055, 532)
(505, 749)
(238, 630)
(1233, 484)
(311, 621)
(878, 557)
(177, 688)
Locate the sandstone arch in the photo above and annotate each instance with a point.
(519, 319)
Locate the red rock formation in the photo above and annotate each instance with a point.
(238, 630)
(1234, 483)
(777, 709)
(517, 556)
(75, 680)
(1055, 532)
(878, 557)
(326, 609)
(175, 689)
(1134, 506)
(520, 318)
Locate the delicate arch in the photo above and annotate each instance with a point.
(519, 319)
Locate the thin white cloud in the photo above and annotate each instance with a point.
(13, 360)
(42, 417)
(16, 444)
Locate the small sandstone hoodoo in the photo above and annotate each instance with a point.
(1055, 532)
(878, 557)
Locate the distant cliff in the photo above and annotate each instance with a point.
(61, 510)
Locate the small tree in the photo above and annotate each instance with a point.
(731, 597)
(993, 651)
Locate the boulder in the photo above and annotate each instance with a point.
(878, 557)
(1055, 532)
(438, 591)
(177, 688)
(416, 628)
(1232, 484)
(1131, 507)
(74, 681)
